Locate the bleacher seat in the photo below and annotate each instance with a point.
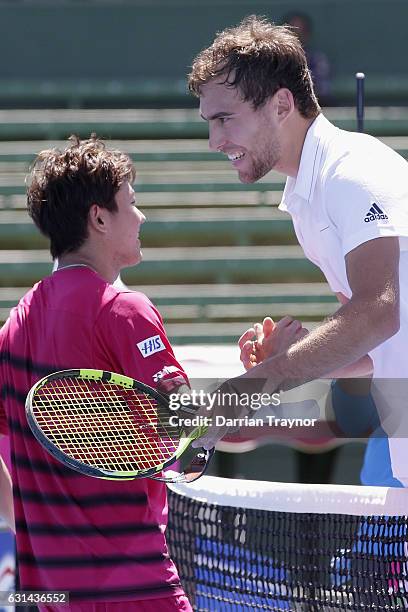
(218, 255)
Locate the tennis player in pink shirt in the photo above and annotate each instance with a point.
(102, 541)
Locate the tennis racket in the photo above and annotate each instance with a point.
(111, 426)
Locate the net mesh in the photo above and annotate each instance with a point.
(247, 545)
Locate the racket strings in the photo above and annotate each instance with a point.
(105, 425)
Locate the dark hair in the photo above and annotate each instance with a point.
(64, 184)
(258, 57)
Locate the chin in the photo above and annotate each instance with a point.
(246, 178)
(253, 178)
(134, 261)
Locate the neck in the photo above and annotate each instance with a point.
(292, 153)
(98, 265)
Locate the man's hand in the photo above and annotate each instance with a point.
(270, 339)
(230, 403)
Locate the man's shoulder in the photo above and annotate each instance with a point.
(128, 303)
(353, 155)
(133, 299)
(130, 315)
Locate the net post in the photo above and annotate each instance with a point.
(360, 77)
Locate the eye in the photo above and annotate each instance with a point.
(224, 120)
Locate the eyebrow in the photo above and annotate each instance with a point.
(216, 116)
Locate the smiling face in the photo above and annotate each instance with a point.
(250, 138)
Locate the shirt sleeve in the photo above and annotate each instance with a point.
(132, 336)
(362, 209)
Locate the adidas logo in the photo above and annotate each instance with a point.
(374, 213)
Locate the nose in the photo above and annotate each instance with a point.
(215, 137)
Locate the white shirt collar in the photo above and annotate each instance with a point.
(320, 131)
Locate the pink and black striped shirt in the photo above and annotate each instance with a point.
(98, 539)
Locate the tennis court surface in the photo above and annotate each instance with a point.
(245, 545)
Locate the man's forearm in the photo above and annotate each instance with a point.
(6, 496)
(344, 338)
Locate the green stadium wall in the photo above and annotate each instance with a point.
(152, 42)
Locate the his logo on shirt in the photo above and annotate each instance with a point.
(150, 346)
(374, 213)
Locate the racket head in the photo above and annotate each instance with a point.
(104, 424)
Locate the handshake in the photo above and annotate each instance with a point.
(267, 339)
(257, 344)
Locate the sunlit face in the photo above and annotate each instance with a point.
(250, 138)
(125, 227)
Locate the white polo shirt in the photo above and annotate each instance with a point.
(352, 188)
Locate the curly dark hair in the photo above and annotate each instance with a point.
(258, 57)
(63, 185)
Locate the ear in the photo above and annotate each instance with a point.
(285, 104)
(97, 218)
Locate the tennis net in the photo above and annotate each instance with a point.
(245, 545)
